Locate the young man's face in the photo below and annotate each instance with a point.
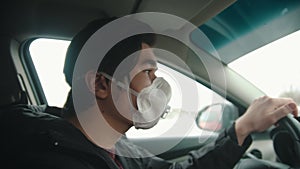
(143, 74)
(146, 100)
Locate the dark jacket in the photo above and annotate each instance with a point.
(33, 139)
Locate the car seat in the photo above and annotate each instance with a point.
(11, 91)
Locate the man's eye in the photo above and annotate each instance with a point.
(147, 71)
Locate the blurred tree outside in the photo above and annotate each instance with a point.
(293, 93)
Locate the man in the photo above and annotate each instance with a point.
(231, 145)
(120, 103)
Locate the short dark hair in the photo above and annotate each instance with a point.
(111, 60)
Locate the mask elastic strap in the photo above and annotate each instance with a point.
(124, 86)
(120, 84)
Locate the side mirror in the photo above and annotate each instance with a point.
(217, 116)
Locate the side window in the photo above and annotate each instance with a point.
(48, 56)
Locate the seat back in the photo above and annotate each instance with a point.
(10, 89)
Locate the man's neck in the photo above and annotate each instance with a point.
(97, 129)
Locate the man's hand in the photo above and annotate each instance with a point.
(261, 114)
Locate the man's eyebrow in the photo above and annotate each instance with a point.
(151, 62)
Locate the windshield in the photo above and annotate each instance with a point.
(274, 68)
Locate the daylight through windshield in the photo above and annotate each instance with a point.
(274, 68)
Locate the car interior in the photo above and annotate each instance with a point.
(234, 28)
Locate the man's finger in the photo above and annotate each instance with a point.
(285, 110)
(283, 101)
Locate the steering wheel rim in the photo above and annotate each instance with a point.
(286, 141)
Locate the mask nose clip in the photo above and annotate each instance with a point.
(166, 112)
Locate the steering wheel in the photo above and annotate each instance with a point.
(286, 141)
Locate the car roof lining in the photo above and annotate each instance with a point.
(55, 19)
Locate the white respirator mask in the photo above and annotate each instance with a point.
(152, 102)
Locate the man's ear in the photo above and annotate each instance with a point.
(97, 84)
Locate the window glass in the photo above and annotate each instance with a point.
(277, 65)
(48, 56)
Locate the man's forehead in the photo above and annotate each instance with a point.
(146, 60)
(147, 56)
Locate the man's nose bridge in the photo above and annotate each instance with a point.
(153, 78)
